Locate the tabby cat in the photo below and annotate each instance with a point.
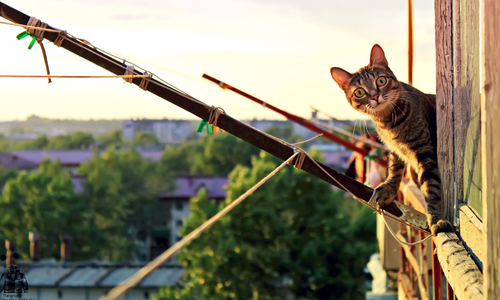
(405, 119)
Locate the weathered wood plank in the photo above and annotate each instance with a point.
(460, 270)
(467, 103)
(444, 103)
(458, 107)
(490, 128)
(472, 234)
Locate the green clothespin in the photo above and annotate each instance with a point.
(202, 124)
(371, 157)
(210, 128)
(375, 156)
(24, 34)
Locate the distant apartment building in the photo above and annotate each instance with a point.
(169, 132)
(335, 156)
(188, 187)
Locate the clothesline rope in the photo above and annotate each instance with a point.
(29, 27)
(74, 76)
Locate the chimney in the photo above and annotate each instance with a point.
(65, 247)
(11, 256)
(314, 115)
(34, 245)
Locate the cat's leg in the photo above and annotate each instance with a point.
(430, 185)
(387, 190)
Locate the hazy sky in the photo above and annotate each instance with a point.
(280, 51)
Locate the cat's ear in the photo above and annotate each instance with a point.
(341, 77)
(377, 57)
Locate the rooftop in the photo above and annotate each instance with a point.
(93, 274)
(32, 158)
(188, 186)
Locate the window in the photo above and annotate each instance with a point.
(179, 205)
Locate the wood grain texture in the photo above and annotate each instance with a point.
(490, 126)
(467, 103)
(444, 103)
(472, 234)
(460, 270)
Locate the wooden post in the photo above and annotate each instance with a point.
(490, 128)
(466, 103)
(444, 103)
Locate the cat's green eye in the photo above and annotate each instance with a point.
(381, 81)
(359, 93)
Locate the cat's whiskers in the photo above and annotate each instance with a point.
(397, 106)
(393, 113)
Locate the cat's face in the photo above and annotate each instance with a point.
(373, 90)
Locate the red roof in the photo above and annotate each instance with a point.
(34, 158)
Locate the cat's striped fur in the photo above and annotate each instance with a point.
(405, 119)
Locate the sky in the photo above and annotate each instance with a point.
(279, 51)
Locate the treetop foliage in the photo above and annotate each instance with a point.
(293, 238)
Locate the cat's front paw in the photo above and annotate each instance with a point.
(442, 226)
(383, 195)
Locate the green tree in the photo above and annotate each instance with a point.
(6, 174)
(145, 139)
(211, 155)
(42, 201)
(285, 133)
(292, 238)
(111, 139)
(223, 153)
(122, 191)
(40, 142)
(178, 160)
(74, 141)
(119, 206)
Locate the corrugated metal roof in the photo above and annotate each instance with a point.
(92, 274)
(46, 276)
(84, 277)
(163, 277)
(118, 275)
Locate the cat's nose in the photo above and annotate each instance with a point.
(375, 97)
